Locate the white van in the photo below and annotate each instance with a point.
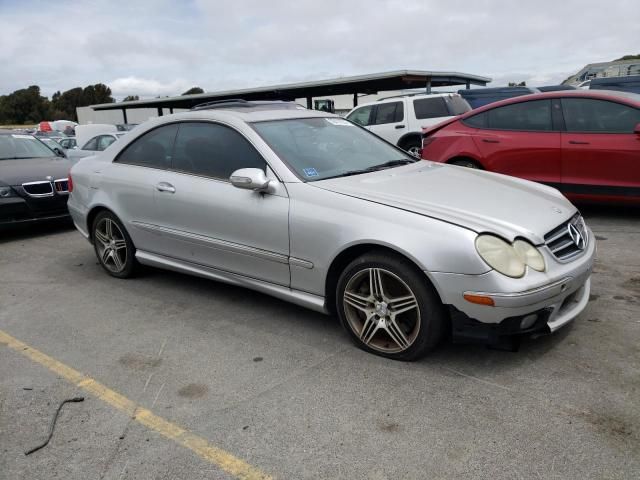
(400, 120)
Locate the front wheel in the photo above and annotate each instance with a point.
(113, 246)
(389, 307)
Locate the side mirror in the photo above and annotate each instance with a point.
(250, 179)
(60, 152)
(636, 130)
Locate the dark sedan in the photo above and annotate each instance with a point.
(34, 182)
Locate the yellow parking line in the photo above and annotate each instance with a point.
(200, 446)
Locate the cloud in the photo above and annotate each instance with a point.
(151, 46)
(121, 87)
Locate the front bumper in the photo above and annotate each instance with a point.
(556, 296)
(17, 210)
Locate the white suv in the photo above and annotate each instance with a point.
(400, 119)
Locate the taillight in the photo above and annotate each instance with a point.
(70, 183)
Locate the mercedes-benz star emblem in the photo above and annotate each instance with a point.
(576, 236)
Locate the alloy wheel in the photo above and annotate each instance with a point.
(111, 245)
(382, 310)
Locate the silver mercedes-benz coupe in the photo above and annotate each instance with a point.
(313, 209)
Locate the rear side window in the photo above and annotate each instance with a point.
(153, 149)
(104, 141)
(588, 115)
(458, 105)
(389, 113)
(91, 145)
(529, 116)
(213, 150)
(430, 108)
(361, 115)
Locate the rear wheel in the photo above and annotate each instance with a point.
(113, 246)
(466, 162)
(389, 308)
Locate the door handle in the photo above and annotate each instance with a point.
(398, 127)
(490, 140)
(165, 187)
(578, 142)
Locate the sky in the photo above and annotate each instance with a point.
(150, 48)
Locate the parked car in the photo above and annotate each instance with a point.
(311, 208)
(93, 146)
(555, 88)
(53, 145)
(33, 181)
(84, 133)
(629, 83)
(68, 143)
(586, 143)
(478, 97)
(400, 120)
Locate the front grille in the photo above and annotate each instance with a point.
(61, 185)
(569, 239)
(38, 189)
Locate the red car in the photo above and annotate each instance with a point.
(585, 143)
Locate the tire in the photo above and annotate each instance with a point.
(373, 321)
(413, 147)
(113, 246)
(464, 162)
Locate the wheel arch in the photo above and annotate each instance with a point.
(350, 253)
(92, 214)
(409, 136)
(466, 156)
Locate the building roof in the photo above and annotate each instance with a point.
(370, 83)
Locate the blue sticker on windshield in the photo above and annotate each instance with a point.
(310, 172)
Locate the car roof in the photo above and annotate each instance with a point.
(626, 97)
(250, 115)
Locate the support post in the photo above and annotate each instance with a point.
(159, 111)
(428, 89)
(171, 110)
(124, 115)
(468, 84)
(355, 100)
(309, 103)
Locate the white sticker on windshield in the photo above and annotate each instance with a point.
(339, 121)
(15, 135)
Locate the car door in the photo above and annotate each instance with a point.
(130, 182)
(600, 152)
(388, 121)
(207, 221)
(521, 140)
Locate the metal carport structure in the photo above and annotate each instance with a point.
(352, 85)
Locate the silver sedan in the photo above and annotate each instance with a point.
(313, 209)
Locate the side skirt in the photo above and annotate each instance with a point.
(304, 299)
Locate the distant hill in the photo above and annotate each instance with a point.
(628, 57)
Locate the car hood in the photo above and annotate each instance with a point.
(478, 200)
(17, 172)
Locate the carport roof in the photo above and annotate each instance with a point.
(370, 83)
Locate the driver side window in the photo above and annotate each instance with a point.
(213, 150)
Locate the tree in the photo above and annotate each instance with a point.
(193, 90)
(628, 57)
(130, 98)
(24, 106)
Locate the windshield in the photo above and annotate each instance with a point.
(319, 148)
(22, 146)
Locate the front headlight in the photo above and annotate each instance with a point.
(529, 255)
(500, 256)
(6, 192)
